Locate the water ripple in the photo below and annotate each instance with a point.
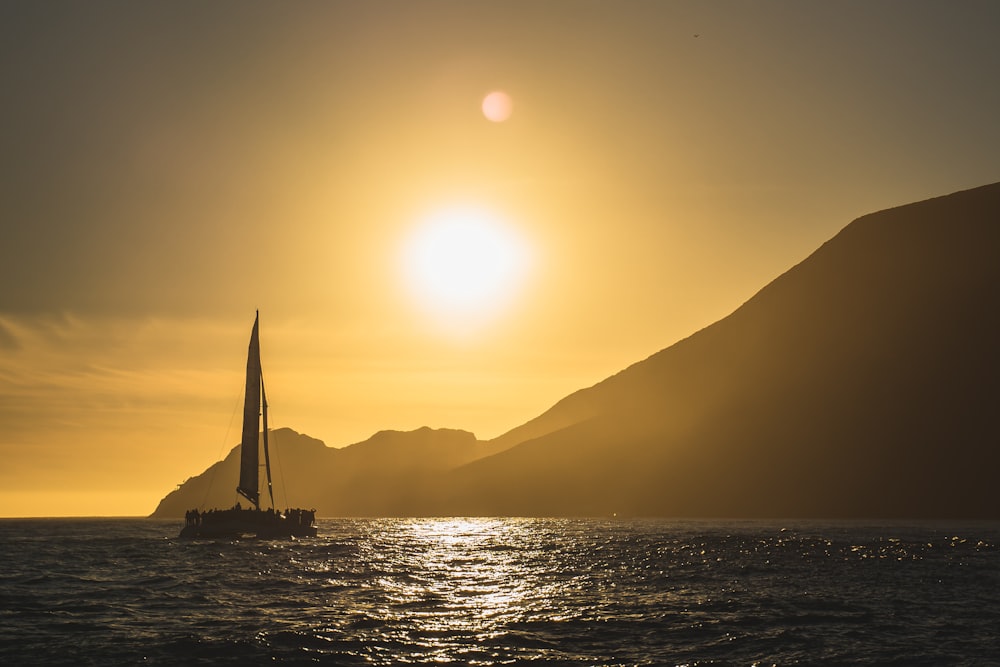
(503, 591)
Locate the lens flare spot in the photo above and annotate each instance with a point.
(497, 106)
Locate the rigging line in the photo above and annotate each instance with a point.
(267, 454)
(281, 474)
(277, 463)
(276, 458)
(221, 454)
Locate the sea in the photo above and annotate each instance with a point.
(485, 591)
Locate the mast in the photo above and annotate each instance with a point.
(249, 455)
(267, 455)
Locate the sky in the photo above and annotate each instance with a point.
(419, 258)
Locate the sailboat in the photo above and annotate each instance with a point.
(239, 521)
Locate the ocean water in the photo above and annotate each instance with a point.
(503, 591)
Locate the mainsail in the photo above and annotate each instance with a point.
(250, 457)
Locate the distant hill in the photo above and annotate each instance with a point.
(863, 382)
(370, 478)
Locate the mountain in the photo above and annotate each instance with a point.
(863, 382)
(370, 478)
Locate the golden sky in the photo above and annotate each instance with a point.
(170, 167)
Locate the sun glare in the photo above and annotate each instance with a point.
(464, 263)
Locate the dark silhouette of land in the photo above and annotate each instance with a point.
(863, 382)
(380, 476)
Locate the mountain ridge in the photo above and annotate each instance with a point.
(859, 383)
(941, 259)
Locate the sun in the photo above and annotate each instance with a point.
(464, 263)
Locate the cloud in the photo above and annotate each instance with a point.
(7, 339)
(123, 401)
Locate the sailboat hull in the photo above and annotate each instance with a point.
(236, 523)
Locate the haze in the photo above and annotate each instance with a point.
(168, 168)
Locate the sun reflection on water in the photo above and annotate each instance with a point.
(447, 589)
(465, 576)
